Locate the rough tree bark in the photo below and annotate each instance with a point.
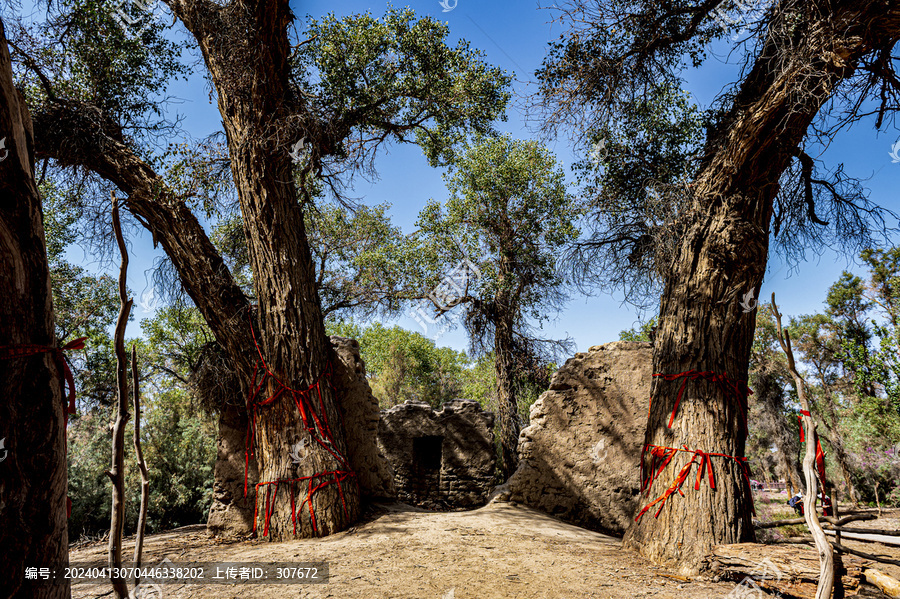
(507, 400)
(246, 51)
(233, 39)
(723, 255)
(32, 407)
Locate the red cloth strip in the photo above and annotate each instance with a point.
(314, 422)
(705, 465)
(336, 477)
(11, 352)
(820, 461)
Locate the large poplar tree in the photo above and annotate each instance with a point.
(297, 114)
(754, 178)
(32, 406)
(509, 213)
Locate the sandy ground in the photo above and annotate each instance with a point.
(500, 551)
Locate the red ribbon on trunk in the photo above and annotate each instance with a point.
(11, 352)
(661, 456)
(315, 422)
(726, 384)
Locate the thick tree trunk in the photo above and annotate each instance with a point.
(294, 344)
(246, 51)
(721, 257)
(33, 478)
(507, 396)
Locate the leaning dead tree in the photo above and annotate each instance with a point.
(826, 554)
(117, 472)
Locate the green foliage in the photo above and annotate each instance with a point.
(642, 334)
(176, 338)
(179, 448)
(368, 266)
(403, 365)
(396, 76)
(86, 56)
(509, 213)
(479, 382)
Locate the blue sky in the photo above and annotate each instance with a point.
(515, 37)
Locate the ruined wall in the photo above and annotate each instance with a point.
(579, 458)
(441, 460)
(361, 418)
(232, 514)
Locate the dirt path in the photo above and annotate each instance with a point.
(500, 551)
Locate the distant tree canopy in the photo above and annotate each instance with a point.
(404, 365)
(509, 213)
(644, 333)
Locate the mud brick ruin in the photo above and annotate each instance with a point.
(441, 460)
(579, 459)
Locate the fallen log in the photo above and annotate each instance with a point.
(889, 585)
(828, 519)
(863, 554)
(866, 531)
(791, 570)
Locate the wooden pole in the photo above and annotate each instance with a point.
(145, 474)
(117, 472)
(826, 553)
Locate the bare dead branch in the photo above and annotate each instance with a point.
(139, 454)
(117, 471)
(826, 555)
